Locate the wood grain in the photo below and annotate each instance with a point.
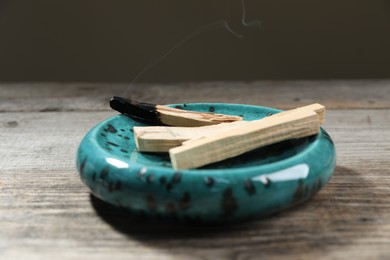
(47, 213)
(46, 97)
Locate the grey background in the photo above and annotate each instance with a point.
(46, 40)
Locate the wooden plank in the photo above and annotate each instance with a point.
(279, 94)
(43, 141)
(42, 145)
(46, 213)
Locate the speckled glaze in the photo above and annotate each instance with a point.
(252, 185)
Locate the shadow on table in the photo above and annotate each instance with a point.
(328, 219)
(144, 227)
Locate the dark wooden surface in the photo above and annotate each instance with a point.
(47, 213)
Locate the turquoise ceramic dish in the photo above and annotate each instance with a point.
(255, 184)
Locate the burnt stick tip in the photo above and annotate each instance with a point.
(134, 109)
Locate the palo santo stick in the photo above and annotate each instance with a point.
(162, 138)
(167, 115)
(318, 108)
(255, 134)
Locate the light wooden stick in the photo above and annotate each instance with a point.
(179, 117)
(318, 108)
(255, 134)
(162, 138)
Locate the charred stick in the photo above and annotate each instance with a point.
(167, 115)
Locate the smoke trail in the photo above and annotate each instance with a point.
(209, 27)
(246, 24)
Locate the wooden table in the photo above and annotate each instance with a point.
(47, 213)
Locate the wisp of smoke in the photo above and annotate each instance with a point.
(220, 24)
